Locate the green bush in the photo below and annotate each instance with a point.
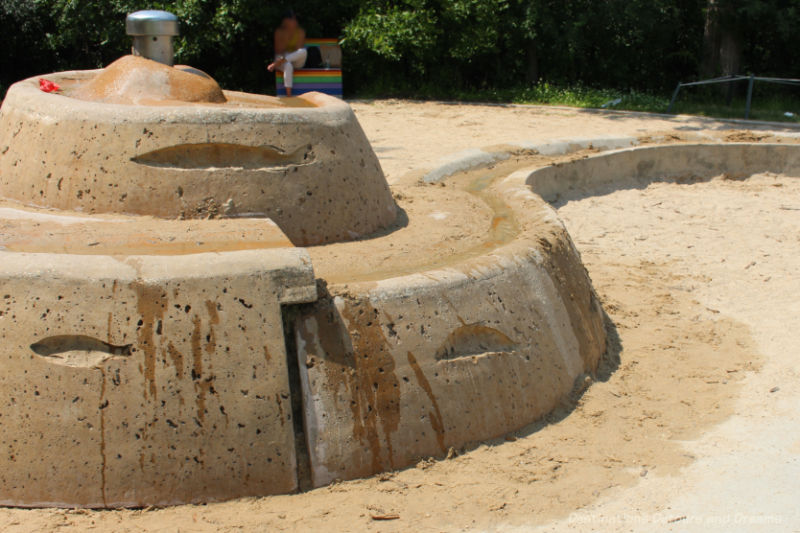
(498, 43)
(230, 39)
(439, 48)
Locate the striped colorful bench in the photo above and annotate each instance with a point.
(326, 80)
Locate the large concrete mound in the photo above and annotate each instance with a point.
(402, 368)
(164, 340)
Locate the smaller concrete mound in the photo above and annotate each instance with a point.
(135, 80)
(142, 138)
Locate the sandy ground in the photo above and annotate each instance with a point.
(731, 247)
(412, 135)
(693, 423)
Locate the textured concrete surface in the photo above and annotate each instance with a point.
(172, 381)
(637, 167)
(42, 231)
(310, 169)
(149, 380)
(405, 368)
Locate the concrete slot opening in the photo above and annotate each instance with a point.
(290, 314)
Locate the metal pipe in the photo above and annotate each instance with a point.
(749, 96)
(152, 33)
(674, 97)
(778, 80)
(726, 79)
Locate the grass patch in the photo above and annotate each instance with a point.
(576, 96)
(772, 108)
(768, 104)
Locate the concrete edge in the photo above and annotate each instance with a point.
(29, 98)
(291, 265)
(535, 215)
(476, 158)
(641, 165)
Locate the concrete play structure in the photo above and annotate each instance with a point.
(144, 138)
(209, 295)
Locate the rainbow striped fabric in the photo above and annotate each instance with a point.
(322, 42)
(324, 80)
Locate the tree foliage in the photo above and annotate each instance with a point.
(231, 39)
(483, 43)
(400, 46)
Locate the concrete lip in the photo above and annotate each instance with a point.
(21, 230)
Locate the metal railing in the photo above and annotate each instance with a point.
(732, 79)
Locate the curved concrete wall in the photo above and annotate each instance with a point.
(404, 368)
(149, 380)
(164, 379)
(636, 167)
(310, 169)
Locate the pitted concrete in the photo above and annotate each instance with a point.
(404, 368)
(174, 384)
(636, 167)
(146, 380)
(310, 169)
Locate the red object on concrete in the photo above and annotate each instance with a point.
(48, 86)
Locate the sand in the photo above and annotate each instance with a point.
(693, 422)
(413, 135)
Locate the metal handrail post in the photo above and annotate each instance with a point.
(674, 97)
(749, 96)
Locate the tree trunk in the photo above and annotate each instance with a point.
(730, 52)
(711, 41)
(722, 50)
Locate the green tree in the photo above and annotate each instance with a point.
(429, 47)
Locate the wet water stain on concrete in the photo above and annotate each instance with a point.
(378, 399)
(197, 368)
(436, 415)
(346, 347)
(151, 303)
(177, 359)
